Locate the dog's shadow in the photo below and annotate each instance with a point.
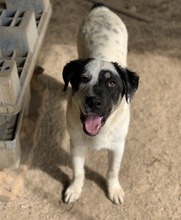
(52, 152)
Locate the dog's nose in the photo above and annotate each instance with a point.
(93, 102)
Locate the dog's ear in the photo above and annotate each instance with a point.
(130, 80)
(68, 70)
(72, 71)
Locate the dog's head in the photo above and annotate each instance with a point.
(97, 90)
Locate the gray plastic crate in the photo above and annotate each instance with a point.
(13, 72)
(18, 30)
(10, 149)
(9, 82)
(22, 29)
(22, 32)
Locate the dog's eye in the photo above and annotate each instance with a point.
(84, 79)
(111, 83)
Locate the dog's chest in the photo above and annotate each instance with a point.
(108, 140)
(101, 142)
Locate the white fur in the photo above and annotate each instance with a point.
(113, 133)
(99, 25)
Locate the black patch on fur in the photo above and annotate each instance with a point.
(113, 92)
(73, 71)
(107, 92)
(97, 5)
(130, 80)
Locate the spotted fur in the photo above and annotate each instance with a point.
(98, 110)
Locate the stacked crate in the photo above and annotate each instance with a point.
(22, 29)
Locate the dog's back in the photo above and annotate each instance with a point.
(103, 35)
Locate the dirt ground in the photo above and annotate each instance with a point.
(151, 168)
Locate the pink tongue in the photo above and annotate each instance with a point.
(93, 124)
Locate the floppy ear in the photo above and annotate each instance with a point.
(130, 80)
(68, 70)
(72, 71)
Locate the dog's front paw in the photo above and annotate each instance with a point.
(116, 194)
(72, 193)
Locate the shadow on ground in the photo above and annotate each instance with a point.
(52, 150)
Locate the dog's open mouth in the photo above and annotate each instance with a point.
(92, 123)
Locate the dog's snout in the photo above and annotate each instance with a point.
(93, 102)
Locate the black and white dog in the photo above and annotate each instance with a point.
(98, 110)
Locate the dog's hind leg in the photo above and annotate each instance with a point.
(115, 191)
(74, 190)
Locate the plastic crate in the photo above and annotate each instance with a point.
(22, 26)
(22, 33)
(10, 149)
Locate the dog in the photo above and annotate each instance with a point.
(98, 109)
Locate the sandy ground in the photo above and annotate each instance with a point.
(151, 168)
